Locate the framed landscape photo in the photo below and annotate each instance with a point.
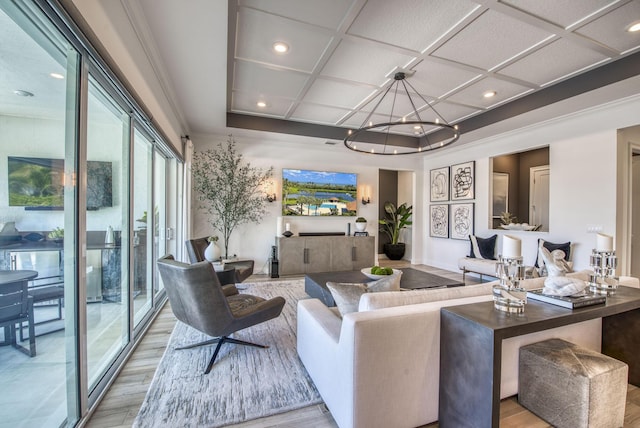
(439, 221)
(463, 181)
(439, 184)
(461, 223)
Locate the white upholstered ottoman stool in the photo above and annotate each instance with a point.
(570, 386)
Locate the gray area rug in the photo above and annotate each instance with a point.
(245, 383)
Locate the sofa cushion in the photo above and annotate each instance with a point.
(347, 295)
(482, 266)
(373, 301)
(566, 247)
(483, 248)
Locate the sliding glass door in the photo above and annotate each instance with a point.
(107, 223)
(142, 239)
(88, 200)
(39, 71)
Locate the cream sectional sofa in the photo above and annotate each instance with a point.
(379, 367)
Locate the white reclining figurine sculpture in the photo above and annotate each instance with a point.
(558, 284)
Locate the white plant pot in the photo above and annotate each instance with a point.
(361, 227)
(212, 252)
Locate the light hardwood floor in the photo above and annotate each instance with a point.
(121, 404)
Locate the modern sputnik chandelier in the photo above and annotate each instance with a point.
(408, 135)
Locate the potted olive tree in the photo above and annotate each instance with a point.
(229, 188)
(396, 219)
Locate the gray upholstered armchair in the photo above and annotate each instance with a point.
(207, 309)
(195, 250)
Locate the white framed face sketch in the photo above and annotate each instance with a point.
(461, 220)
(439, 184)
(439, 221)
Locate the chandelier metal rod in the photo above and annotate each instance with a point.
(420, 144)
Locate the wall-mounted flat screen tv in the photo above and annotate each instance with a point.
(318, 193)
(38, 183)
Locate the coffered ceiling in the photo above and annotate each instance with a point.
(214, 60)
(342, 54)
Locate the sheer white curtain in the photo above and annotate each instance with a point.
(187, 218)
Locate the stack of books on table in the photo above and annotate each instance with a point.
(576, 301)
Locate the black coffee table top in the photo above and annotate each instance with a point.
(315, 284)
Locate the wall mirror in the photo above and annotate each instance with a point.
(520, 188)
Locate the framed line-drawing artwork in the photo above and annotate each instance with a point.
(463, 181)
(500, 202)
(461, 223)
(439, 221)
(439, 184)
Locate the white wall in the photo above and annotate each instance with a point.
(582, 194)
(44, 138)
(255, 240)
(582, 189)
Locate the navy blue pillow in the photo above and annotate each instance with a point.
(486, 246)
(566, 247)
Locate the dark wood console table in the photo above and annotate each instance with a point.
(471, 349)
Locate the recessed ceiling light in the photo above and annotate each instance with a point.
(634, 27)
(23, 93)
(280, 47)
(261, 104)
(489, 94)
(416, 127)
(56, 75)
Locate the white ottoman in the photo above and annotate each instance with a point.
(569, 386)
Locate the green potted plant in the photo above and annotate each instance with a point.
(361, 224)
(229, 189)
(56, 235)
(396, 219)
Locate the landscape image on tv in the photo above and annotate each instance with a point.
(318, 193)
(38, 183)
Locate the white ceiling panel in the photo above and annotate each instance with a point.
(473, 94)
(450, 112)
(611, 29)
(557, 60)
(341, 94)
(265, 81)
(476, 44)
(395, 102)
(243, 102)
(328, 13)
(416, 25)
(358, 119)
(258, 31)
(364, 63)
(318, 114)
(436, 79)
(564, 13)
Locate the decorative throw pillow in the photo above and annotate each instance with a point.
(388, 283)
(483, 248)
(347, 295)
(565, 247)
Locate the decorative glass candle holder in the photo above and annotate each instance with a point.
(603, 279)
(508, 296)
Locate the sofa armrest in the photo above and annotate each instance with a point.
(315, 313)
